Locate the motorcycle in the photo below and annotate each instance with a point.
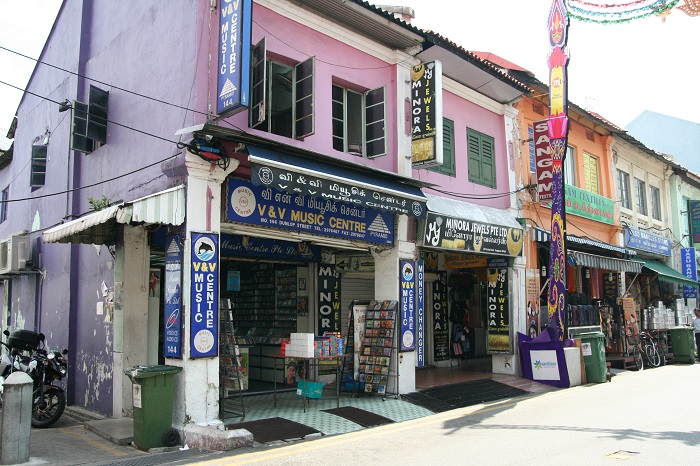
(28, 353)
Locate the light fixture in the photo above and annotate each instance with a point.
(610, 277)
(64, 106)
(544, 271)
(588, 273)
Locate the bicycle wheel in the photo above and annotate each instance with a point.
(652, 354)
(638, 361)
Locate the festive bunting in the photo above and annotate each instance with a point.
(621, 13)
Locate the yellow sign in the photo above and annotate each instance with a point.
(464, 261)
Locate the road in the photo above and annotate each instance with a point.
(648, 417)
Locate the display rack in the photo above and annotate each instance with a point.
(378, 347)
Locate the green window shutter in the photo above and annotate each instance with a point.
(481, 158)
(448, 149)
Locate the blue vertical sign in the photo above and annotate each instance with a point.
(172, 320)
(204, 287)
(420, 311)
(408, 305)
(690, 270)
(233, 81)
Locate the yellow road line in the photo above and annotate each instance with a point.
(67, 430)
(290, 450)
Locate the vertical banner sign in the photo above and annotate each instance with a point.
(441, 332)
(558, 130)
(690, 270)
(233, 79)
(543, 160)
(328, 299)
(172, 321)
(694, 215)
(426, 114)
(420, 311)
(408, 305)
(498, 311)
(204, 286)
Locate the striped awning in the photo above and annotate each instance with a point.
(543, 236)
(166, 207)
(605, 263)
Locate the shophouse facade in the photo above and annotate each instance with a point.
(289, 209)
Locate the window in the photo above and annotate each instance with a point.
(359, 121)
(282, 96)
(570, 166)
(641, 188)
(3, 207)
(590, 173)
(38, 174)
(481, 157)
(89, 131)
(448, 149)
(655, 196)
(623, 188)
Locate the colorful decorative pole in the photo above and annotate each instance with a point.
(558, 130)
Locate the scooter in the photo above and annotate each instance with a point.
(27, 353)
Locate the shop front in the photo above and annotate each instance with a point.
(474, 284)
(301, 239)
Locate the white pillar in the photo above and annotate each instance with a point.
(197, 387)
(16, 419)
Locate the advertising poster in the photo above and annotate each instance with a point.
(204, 286)
(694, 214)
(408, 305)
(172, 320)
(442, 231)
(532, 288)
(497, 310)
(328, 299)
(420, 313)
(441, 332)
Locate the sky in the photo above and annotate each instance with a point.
(618, 71)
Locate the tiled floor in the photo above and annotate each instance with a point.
(290, 405)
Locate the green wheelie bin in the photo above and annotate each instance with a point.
(593, 348)
(683, 344)
(153, 392)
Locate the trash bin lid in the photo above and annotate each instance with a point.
(142, 372)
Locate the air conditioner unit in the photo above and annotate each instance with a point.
(14, 253)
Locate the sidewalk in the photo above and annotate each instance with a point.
(82, 438)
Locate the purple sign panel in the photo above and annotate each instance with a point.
(407, 274)
(172, 318)
(690, 270)
(204, 284)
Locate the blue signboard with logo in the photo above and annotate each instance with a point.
(233, 78)
(408, 305)
(420, 313)
(204, 288)
(690, 269)
(172, 318)
(269, 207)
(644, 241)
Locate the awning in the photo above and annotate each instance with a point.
(166, 207)
(350, 183)
(467, 227)
(543, 236)
(606, 263)
(667, 274)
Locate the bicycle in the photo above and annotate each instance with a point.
(634, 349)
(650, 349)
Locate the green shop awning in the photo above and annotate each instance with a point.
(667, 274)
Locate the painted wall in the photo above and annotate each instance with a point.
(468, 114)
(343, 57)
(149, 48)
